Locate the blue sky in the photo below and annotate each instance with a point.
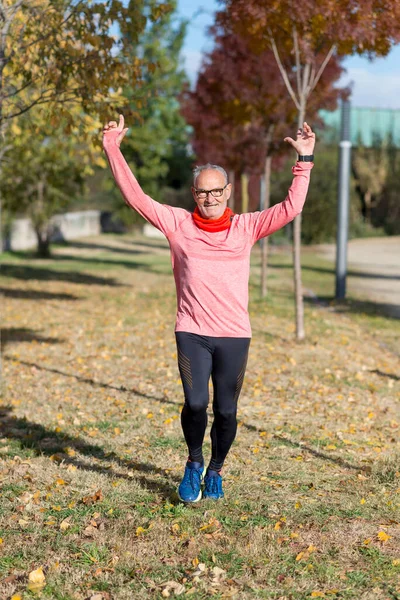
(375, 84)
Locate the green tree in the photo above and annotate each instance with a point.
(42, 177)
(157, 144)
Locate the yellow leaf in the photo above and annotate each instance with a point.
(297, 505)
(317, 594)
(383, 536)
(367, 541)
(278, 525)
(195, 562)
(300, 556)
(60, 481)
(167, 421)
(262, 433)
(37, 580)
(65, 524)
(256, 450)
(396, 562)
(330, 447)
(362, 501)
(149, 415)
(140, 531)
(16, 597)
(1, 541)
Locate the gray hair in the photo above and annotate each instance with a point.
(199, 169)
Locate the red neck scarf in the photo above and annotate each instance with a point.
(224, 222)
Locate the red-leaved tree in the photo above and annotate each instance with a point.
(240, 111)
(304, 39)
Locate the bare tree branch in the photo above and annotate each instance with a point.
(283, 72)
(298, 63)
(322, 67)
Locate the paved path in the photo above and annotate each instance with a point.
(374, 270)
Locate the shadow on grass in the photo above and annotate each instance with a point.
(43, 274)
(35, 295)
(94, 246)
(383, 374)
(337, 460)
(93, 382)
(367, 307)
(44, 441)
(331, 271)
(148, 244)
(128, 264)
(11, 335)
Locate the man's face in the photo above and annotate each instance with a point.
(211, 207)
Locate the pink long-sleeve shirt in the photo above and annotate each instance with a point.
(211, 270)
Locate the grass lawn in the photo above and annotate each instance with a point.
(91, 448)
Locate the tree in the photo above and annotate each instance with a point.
(63, 52)
(371, 170)
(42, 177)
(303, 41)
(157, 145)
(244, 88)
(160, 136)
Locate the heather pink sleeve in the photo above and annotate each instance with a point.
(262, 223)
(166, 218)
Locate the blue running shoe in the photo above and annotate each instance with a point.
(189, 489)
(213, 485)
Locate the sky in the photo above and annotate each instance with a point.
(375, 84)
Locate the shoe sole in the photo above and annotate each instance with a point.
(190, 501)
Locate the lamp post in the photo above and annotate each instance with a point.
(343, 202)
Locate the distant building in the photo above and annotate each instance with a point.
(367, 125)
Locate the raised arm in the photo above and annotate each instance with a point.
(166, 218)
(266, 222)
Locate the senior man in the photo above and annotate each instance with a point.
(210, 254)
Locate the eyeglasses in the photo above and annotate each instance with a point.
(216, 193)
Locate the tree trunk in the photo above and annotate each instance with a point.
(298, 288)
(43, 244)
(368, 206)
(41, 223)
(245, 192)
(265, 240)
(231, 202)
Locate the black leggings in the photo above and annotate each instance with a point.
(224, 359)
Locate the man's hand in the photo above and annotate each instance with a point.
(305, 140)
(113, 132)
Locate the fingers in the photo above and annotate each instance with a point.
(289, 140)
(115, 125)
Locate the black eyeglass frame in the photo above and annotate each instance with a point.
(197, 192)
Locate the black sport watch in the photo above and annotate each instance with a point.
(305, 157)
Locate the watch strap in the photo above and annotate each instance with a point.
(305, 157)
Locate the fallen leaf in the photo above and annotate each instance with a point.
(37, 580)
(383, 536)
(65, 524)
(96, 497)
